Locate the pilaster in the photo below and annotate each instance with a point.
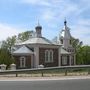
(36, 62)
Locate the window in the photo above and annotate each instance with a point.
(51, 56)
(64, 60)
(22, 62)
(48, 56)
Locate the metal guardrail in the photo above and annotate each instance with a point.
(42, 70)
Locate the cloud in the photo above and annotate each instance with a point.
(57, 12)
(51, 14)
(36, 2)
(48, 15)
(57, 8)
(81, 32)
(7, 31)
(84, 22)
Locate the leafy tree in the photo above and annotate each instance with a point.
(9, 43)
(86, 54)
(83, 55)
(5, 50)
(77, 44)
(5, 57)
(24, 36)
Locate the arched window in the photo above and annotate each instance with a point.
(46, 55)
(49, 56)
(22, 62)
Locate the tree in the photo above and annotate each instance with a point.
(6, 45)
(86, 54)
(10, 41)
(77, 44)
(5, 57)
(82, 52)
(24, 36)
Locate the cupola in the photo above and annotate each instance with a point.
(38, 30)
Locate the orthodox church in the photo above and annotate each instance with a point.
(68, 56)
(38, 50)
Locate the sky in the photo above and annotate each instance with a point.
(21, 15)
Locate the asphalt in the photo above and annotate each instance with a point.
(66, 84)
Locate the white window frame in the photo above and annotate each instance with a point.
(22, 62)
(48, 57)
(51, 56)
(64, 60)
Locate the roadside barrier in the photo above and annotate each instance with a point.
(42, 71)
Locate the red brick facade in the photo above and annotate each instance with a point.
(28, 62)
(42, 57)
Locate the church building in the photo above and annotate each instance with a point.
(67, 50)
(38, 50)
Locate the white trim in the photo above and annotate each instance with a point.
(48, 56)
(36, 58)
(22, 62)
(64, 60)
(51, 56)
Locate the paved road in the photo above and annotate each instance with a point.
(46, 85)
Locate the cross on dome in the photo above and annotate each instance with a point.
(65, 22)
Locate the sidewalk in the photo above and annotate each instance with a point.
(42, 78)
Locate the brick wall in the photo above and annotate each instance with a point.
(42, 57)
(28, 62)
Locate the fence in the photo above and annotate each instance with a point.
(42, 71)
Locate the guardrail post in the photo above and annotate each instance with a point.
(16, 75)
(88, 71)
(66, 72)
(42, 73)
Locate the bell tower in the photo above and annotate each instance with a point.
(65, 36)
(66, 41)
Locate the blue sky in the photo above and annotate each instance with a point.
(20, 15)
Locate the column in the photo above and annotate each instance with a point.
(70, 58)
(32, 60)
(59, 56)
(36, 60)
